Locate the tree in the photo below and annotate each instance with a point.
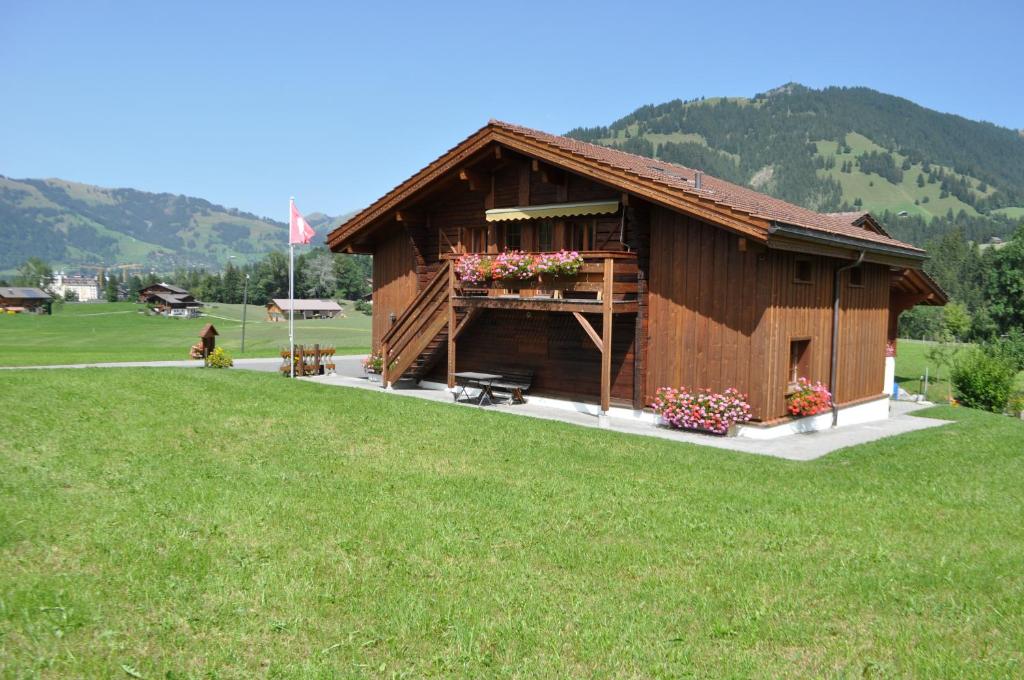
(70, 295)
(319, 278)
(35, 273)
(111, 290)
(956, 321)
(1005, 285)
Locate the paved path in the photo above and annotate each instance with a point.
(798, 447)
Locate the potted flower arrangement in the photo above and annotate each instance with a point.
(515, 265)
(808, 398)
(701, 410)
(373, 365)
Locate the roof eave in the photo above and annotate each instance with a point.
(820, 237)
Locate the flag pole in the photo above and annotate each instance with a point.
(291, 290)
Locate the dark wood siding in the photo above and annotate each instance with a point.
(565, 361)
(706, 313)
(720, 317)
(394, 280)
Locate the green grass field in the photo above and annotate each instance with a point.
(384, 536)
(78, 333)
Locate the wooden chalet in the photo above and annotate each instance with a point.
(168, 299)
(19, 299)
(688, 280)
(278, 308)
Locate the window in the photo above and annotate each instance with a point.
(799, 359)
(545, 236)
(513, 236)
(857, 277)
(474, 240)
(583, 235)
(804, 271)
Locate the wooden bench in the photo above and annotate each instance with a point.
(514, 383)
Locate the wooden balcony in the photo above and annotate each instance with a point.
(607, 282)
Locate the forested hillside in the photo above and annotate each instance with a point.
(71, 223)
(922, 172)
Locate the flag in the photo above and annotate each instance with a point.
(299, 230)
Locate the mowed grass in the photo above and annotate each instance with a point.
(912, 361)
(202, 523)
(83, 333)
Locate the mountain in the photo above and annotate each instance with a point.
(69, 223)
(922, 172)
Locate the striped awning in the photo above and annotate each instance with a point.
(535, 212)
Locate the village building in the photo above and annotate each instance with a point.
(85, 288)
(277, 309)
(687, 280)
(170, 300)
(16, 299)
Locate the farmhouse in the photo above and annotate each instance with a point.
(23, 299)
(170, 300)
(277, 309)
(687, 280)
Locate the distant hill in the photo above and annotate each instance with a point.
(842, 149)
(69, 223)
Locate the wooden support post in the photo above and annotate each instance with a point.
(384, 377)
(452, 327)
(606, 335)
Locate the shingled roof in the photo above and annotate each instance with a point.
(857, 225)
(673, 181)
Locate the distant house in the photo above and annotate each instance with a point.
(85, 288)
(277, 309)
(169, 300)
(23, 299)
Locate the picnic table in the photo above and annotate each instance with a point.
(474, 379)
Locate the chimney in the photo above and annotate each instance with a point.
(698, 175)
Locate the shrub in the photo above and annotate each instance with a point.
(1009, 347)
(701, 409)
(808, 399)
(982, 380)
(219, 359)
(364, 307)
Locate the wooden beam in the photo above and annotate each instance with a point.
(471, 314)
(606, 336)
(590, 331)
(477, 181)
(408, 217)
(548, 174)
(452, 329)
(544, 305)
(497, 152)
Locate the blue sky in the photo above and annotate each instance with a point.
(248, 103)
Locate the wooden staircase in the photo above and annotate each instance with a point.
(419, 337)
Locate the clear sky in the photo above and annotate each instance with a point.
(247, 103)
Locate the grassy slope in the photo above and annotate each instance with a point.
(117, 332)
(377, 535)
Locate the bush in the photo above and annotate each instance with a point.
(982, 380)
(219, 359)
(1009, 347)
(364, 307)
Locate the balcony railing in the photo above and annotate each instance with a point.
(605, 276)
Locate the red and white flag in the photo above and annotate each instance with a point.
(299, 230)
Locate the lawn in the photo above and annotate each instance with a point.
(375, 535)
(78, 333)
(912, 361)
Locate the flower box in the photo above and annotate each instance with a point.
(808, 399)
(514, 267)
(701, 410)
